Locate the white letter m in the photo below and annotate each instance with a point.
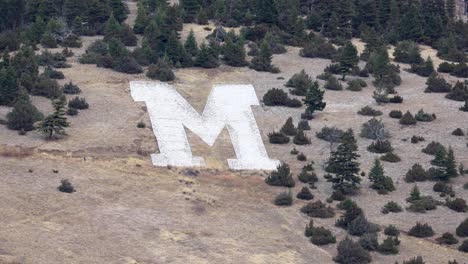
(228, 106)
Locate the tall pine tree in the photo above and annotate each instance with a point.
(55, 123)
(313, 100)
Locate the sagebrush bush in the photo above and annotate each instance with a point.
(416, 174)
(391, 230)
(305, 194)
(380, 146)
(397, 114)
(307, 177)
(437, 84)
(447, 239)
(369, 111)
(319, 235)
(421, 230)
(288, 128)
(78, 103)
(360, 225)
(330, 134)
(391, 207)
(356, 85)
(422, 116)
(72, 112)
(415, 260)
(284, 199)
(318, 209)
(301, 157)
(369, 241)
(417, 139)
(333, 84)
(351, 252)
(277, 97)
(457, 204)
(389, 246)
(459, 92)
(66, 186)
(281, 177)
(424, 204)
(390, 157)
(374, 129)
(71, 88)
(278, 138)
(408, 119)
(303, 125)
(433, 147)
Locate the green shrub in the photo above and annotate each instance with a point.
(281, 177)
(128, 65)
(305, 194)
(318, 209)
(141, 124)
(464, 246)
(284, 199)
(351, 252)
(330, 134)
(301, 139)
(277, 97)
(437, 84)
(397, 114)
(319, 235)
(408, 119)
(421, 230)
(380, 146)
(416, 260)
(356, 85)
(78, 103)
(374, 129)
(369, 241)
(392, 207)
(458, 132)
(301, 157)
(434, 147)
(333, 84)
(425, 117)
(53, 74)
(46, 87)
(390, 157)
(447, 239)
(417, 139)
(424, 69)
(458, 93)
(407, 52)
(278, 138)
(71, 88)
(303, 125)
(294, 151)
(425, 203)
(161, 71)
(457, 204)
(288, 128)
(318, 47)
(462, 229)
(72, 112)
(338, 195)
(446, 67)
(369, 111)
(66, 187)
(389, 246)
(391, 230)
(465, 107)
(360, 225)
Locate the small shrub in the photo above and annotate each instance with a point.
(53, 74)
(294, 151)
(408, 119)
(356, 85)
(462, 229)
(141, 124)
(447, 239)
(416, 174)
(305, 194)
(417, 139)
(391, 207)
(437, 84)
(278, 138)
(161, 71)
(360, 225)
(424, 117)
(389, 246)
(278, 97)
(72, 112)
(303, 125)
(397, 114)
(325, 76)
(374, 129)
(390, 157)
(319, 235)
(66, 186)
(128, 65)
(78, 103)
(301, 139)
(433, 147)
(318, 209)
(458, 205)
(288, 128)
(416, 260)
(369, 111)
(351, 252)
(71, 88)
(391, 230)
(446, 67)
(464, 246)
(307, 177)
(333, 84)
(421, 230)
(284, 199)
(380, 146)
(424, 69)
(396, 99)
(330, 134)
(338, 195)
(369, 241)
(458, 93)
(465, 107)
(458, 132)
(301, 157)
(281, 177)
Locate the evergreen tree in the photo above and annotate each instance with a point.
(56, 122)
(345, 10)
(415, 195)
(411, 24)
(73, 9)
(142, 18)
(314, 99)
(266, 12)
(348, 59)
(190, 9)
(24, 114)
(207, 57)
(176, 52)
(343, 163)
(191, 45)
(380, 182)
(450, 166)
(8, 86)
(119, 10)
(451, 9)
(112, 28)
(262, 62)
(234, 52)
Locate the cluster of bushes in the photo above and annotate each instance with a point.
(319, 235)
(424, 69)
(281, 177)
(369, 111)
(459, 92)
(421, 230)
(288, 129)
(356, 85)
(318, 47)
(76, 104)
(277, 97)
(380, 146)
(419, 203)
(391, 207)
(318, 209)
(56, 60)
(437, 84)
(374, 129)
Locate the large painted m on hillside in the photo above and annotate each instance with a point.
(228, 106)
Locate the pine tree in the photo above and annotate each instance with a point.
(380, 182)
(24, 114)
(348, 59)
(56, 122)
(72, 9)
(411, 24)
(234, 52)
(345, 10)
(288, 128)
(176, 52)
(314, 99)
(119, 10)
(450, 166)
(266, 12)
(207, 57)
(343, 163)
(8, 86)
(451, 9)
(141, 20)
(191, 45)
(190, 9)
(415, 195)
(112, 28)
(262, 62)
